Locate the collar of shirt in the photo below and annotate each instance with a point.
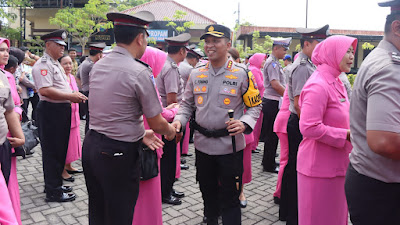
(273, 57)
(220, 71)
(121, 50)
(388, 46)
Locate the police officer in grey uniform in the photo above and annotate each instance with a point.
(212, 90)
(95, 54)
(121, 92)
(297, 75)
(274, 83)
(373, 176)
(54, 114)
(170, 87)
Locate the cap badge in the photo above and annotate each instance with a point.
(64, 35)
(211, 29)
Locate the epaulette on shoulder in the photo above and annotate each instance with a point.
(44, 59)
(395, 57)
(203, 67)
(200, 65)
(145, 64)
(174, 65)
(303, 61)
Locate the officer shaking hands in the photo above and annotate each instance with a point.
(54, 114)
(211, 91)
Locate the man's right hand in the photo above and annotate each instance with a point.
(77, 97)
(171, 133)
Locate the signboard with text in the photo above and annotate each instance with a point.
(158, 35)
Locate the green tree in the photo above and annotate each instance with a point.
(36, 45)
(122, 5)
(177, 22)
(368, 46)
(264, 47)
(82, 23)
(8, 18)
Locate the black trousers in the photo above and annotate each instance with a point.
(370, 201)
(270, 109)
(288, 205)
(54, 123)
(5, 160)
(112, 174)
(219, 187)
(34, 100)
(168, 167)
(86, 93)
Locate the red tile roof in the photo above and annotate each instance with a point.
(167, 8)
(243, 30)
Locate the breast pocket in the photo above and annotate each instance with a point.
(227, 97)
(200, 94)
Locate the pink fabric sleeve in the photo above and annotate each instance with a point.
(169, 114)
(260, 83)
(313, 103)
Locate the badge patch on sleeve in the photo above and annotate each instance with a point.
(200, 100)
(43, 72)
(252, 96)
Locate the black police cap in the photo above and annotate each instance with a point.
(57, 36)
(217, 30)
(317, 33)
(140, 19)
(394, 4)
(180, 40)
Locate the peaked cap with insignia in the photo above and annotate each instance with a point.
(284, 42)
(97, 46)
(217, 30)
(318, 33)
(180, 40)
(393, 4)
(57, 36)
(140, 19)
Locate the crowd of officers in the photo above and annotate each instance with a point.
(119, 89)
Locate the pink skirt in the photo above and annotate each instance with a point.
(246, 178)
(7, 214)
(74, 146)
(178, 161)
(321, 200)
(257, 132)
(185, 144)
(284, 156)
(148, 209)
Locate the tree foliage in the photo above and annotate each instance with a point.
(36, 45)
(8, 17)
(122, 5)
(177, 22)
(264, 47)
(368, 46)
(82, 23)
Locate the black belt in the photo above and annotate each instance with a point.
(210, 133)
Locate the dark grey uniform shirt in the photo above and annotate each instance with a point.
(48, 72)
(169, 81)
(375, 105)
(83, 73)
(273, 71)
(121, 91)
(297, 76)
(211, 95)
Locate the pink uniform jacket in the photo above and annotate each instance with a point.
(324, 121)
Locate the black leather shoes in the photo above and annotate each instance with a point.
(184, 167)
(74, 171)
(178, 194)
(243, 203)
(186, 155)
(276, 170)
(255, 151)
(183, 161)
(64, 189)
(63, 198)
(172, 200)
(70, 179)
(277, 200)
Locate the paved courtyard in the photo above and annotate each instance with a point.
(34, 210)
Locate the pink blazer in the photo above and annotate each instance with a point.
(281, 120)
(324, 121)
(75, 120)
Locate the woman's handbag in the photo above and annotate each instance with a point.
(149, 164)
(31, 134)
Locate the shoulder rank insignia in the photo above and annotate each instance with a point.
(274, 64)
(303, 61)
(231, 77)
(43, 72)
(173, 64)
(44, 58)
(230, 63)
(202, 76)
(252, 96)
(395, 57)
(203, 70)
(233, 70)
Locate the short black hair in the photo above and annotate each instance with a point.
(71, 50)
(93, 52)
(126, 34)
(191, 55)
(389, 20)
(302, 40)
(24, 48)
(82, 58)
(174, 49)
(12, 62)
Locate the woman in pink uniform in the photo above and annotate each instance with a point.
(74, 145)
(10, 212)
(280, 125)
(256, 62)
(323, 154)
(148, 209)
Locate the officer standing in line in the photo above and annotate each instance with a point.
(373, 176)
(212, 90)
(54, 115)
(274, 83)
(297, 75)
(95, 54)
(121, 92)
(170, 87)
